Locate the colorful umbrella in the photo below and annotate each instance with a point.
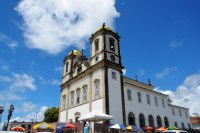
(129, 128)
(60, 128)
(172, 128)
(117, 126)
(68, 125)
(17, 128)
(134, 128)
(43, 125)
(148, 128)
(161, 129)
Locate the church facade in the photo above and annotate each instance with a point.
(97, 84)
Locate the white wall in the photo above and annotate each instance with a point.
(115, 102)
(63, 116)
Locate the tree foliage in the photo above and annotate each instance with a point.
(51, 115)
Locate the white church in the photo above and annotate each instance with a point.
(97, 84)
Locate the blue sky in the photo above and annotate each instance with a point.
(160, 40)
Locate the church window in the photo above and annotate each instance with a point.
(151, 121)
(129, 95)
(97, 88)
(78, 96)
(79, 69)
(72, 98)
(96, 43)
(64, 102)
(173, 112)
(114, 75)
(148, 99)
(175, 124)
(156, 101)
(142, 121)
(180, 112)
(183, 126)
(84, 93)
(166, 121)
(97, 58)
(159, 121)
(112, 44)
(163, 103)
(67, 65)
(131, 118)
(139, 97)
(112, 57)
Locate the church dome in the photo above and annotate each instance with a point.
(106, 27)
(74, 52)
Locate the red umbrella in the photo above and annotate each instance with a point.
(68, 125)
(148, 128)
(17, 128)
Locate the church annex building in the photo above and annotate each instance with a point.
(97, 84)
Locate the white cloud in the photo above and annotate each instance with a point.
(187, 94)
(53, 26)
(58, 69)
(4, 68)
(141, 72)
(56, 82)
(32, 115)
(23, 81)
(175, 44)
(7, 40)
(166, 72)
(4, 78)
(17, 85)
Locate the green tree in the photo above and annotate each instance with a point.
(51, 115)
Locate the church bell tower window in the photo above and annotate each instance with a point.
(112, 44)
(67, 65)
(97, 88)
(96, 43)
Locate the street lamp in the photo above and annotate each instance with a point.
(1, 111)
(9, 115)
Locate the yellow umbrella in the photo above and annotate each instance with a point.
(43, 125)
(129, 127)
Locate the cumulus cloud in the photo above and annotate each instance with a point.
(53, 26)
(32, 115)
(165, 72)
(23, 81)
(9, 41)
(187, 94)
(175, 44)
(17, 85)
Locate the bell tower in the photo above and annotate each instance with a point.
(105, 46)
(105, 52)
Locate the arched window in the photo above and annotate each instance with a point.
(159, 122)
(142, 121)
(78, 91)
(166, 121)
(72, 98)
(131, 118)
(112, 44)
(84, 93)
(183, 125)
(97, 88)
(64, 102)
(151, 121)
(96, 43)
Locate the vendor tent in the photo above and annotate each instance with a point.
(95, 117)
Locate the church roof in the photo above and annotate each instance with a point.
(74, 52)
(105, 27)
